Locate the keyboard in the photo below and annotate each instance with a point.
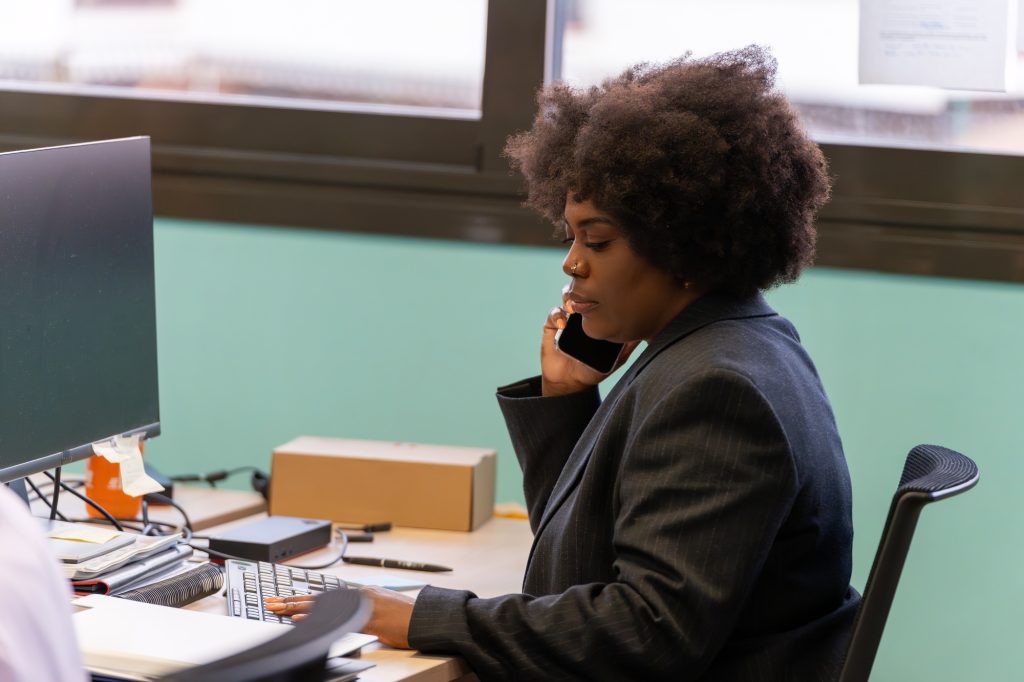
(248, 583)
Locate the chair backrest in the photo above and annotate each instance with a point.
(296, 656)
(930, 473)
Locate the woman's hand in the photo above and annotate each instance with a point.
(389, 622)
(560, 373)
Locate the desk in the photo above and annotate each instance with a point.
(490, 561)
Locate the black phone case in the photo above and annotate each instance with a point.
(597, 354)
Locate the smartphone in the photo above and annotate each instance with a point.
(594, 353)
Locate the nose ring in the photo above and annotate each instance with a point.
(572, 270)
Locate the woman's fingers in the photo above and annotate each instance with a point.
(556, 318)
(286, 606)
(566, 301)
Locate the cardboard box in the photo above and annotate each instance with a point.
(445, 487)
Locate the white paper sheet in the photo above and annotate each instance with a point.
(117, 450)
(122, 635)
(130, 637)
(124, 450)
(960, 44)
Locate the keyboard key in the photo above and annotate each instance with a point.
(250, 582)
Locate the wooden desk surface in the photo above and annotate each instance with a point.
(490, 561)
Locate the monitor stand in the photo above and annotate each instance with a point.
(19, 489)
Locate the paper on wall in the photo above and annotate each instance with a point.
(961, 44)
(124, 450)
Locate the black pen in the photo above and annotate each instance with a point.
(394, 563)
(365, 527)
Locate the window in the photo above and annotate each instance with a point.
(292, 113)
(816, 45)
(925, 179)
(391, 51)
(391, 116)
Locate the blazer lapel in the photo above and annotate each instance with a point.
(702, 312)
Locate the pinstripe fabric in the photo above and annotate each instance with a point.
(695, 525)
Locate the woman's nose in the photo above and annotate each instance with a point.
(571, 264)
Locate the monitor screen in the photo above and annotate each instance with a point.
(77, 308)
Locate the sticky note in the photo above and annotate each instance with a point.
(117, 450)
(84, 533)
(124, 450)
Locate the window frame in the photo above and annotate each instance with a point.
(430, 173)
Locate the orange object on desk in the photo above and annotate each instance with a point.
(103, 486)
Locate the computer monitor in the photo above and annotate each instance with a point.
(78, 357)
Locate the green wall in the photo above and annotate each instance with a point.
(266, 334)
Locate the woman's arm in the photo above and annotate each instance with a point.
(705, 484)
(546, 415)
(543, 431)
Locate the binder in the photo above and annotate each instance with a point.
(180, 589)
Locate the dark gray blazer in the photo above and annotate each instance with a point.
(695, 525)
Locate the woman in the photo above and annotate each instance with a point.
(695, 524)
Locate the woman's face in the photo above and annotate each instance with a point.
(621, 296)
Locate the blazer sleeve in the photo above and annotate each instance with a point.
(705, 482)
(544, 430)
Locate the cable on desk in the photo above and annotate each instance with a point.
(56, 493)
(162, 527)
(163, 499)
(46, 500)
(85, 499)
(212, 477)
(46, 485)
(215, 553)
(147, 527)
(339, 557)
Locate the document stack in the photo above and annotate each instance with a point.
(154, 569)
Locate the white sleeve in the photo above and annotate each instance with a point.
(37, 638)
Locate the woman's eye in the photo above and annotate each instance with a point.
(568, 240)
(597, 246)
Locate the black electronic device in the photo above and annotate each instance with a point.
(77, 302)
(274, 538)
(597, 354)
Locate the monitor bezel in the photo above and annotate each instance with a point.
(84, 450)
(75, 454)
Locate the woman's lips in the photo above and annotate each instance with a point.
(583, 307)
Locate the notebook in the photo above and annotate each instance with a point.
(75, 543)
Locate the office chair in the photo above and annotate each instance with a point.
(930, 473)
(299, 655)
